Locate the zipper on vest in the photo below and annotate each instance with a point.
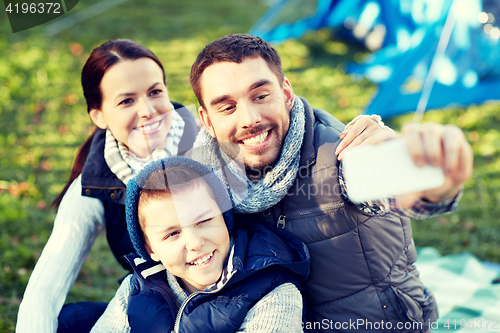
(281, 222)
(314, 210)
(184, 304)
(191, 296)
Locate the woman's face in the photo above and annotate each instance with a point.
(135, 105)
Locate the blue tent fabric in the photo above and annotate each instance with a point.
(266, 28)
(329, 14)
(468, 73)
(464, 288)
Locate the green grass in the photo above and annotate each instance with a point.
(44, 120)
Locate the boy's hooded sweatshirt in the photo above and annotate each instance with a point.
(261, 259)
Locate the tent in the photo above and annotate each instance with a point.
(466, 67)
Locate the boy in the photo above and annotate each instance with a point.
(194, 273)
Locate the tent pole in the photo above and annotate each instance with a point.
(432, 75)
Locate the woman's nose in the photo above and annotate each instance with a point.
(146, 109)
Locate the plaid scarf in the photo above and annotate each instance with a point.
(125, 164)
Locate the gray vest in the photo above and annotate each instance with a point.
(362, 269)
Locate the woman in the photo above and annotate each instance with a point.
(127, 98)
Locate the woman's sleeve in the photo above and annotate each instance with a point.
(279, 311)
(78, 222)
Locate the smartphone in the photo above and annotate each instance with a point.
(373, 172)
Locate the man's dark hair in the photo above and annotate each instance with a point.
(234, 48)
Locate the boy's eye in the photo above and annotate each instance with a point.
(172, 234)
(126, 101)
(204, 221)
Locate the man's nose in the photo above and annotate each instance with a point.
(249, 115)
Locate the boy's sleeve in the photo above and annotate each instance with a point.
(279, 311)
(129, 313)
(114, 318)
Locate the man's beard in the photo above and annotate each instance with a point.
(258, 169)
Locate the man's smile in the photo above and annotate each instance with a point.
(255, 139)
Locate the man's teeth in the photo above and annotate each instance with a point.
(202, 261)
(151, 127)
(256, 139)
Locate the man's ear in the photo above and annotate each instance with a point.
(289, 95)
(153, 255)
(205, 120)
(98, 119)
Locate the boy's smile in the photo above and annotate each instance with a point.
(187, 233)
(202, 260)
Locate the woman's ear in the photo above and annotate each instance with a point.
(97, 118)
(153, 255)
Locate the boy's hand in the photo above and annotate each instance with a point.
(363, 130)
(439, 145)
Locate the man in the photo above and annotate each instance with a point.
(362, 275)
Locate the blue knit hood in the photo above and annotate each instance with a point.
(136, 184)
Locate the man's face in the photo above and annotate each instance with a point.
(246, 105)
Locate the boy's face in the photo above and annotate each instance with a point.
(187, 233)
